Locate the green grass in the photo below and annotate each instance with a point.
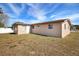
(31, 44)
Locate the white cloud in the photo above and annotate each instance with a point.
(11, 21)
(3, 8)
(16, 10)
(22, 6)
(53, 8)
(58, 15)
(72, 17)
(36, 12)
(52, 16)
(66, 14)
(40, 14)
(11, 15)
(35, 21)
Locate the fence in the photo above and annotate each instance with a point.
(6, 30)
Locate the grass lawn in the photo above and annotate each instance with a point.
(31, 44)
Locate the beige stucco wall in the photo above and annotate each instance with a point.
(66, 31)
(43, 29)
(57, 31)
(23, 29)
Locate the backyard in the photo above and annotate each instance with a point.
(38, 45)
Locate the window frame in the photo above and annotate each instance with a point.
(50, 26)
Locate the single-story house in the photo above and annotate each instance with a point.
(57, 28)
(21, 28)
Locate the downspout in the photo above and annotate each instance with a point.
(61, 30)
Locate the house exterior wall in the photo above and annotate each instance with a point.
(43, 29)
(65, 31)
(59, 29)
(15, 28)
(23, 29)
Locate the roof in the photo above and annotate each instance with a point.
(20, 23)
(56, 21)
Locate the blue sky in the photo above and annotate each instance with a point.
(40, 12)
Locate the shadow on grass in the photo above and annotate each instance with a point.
(12, 33)
(46, 35)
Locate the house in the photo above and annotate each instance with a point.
(21, 28)
(57, 28)
(75, 28)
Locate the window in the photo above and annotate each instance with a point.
(50, 26)
(33, 27)
(64, 26)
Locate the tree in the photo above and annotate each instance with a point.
(3, 18)
(75, 27)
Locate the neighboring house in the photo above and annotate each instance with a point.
(75, 28)
(21, 28)
(57, 28)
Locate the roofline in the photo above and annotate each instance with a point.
(21, 24)
(55, 21)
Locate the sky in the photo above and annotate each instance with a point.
(30, 13)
